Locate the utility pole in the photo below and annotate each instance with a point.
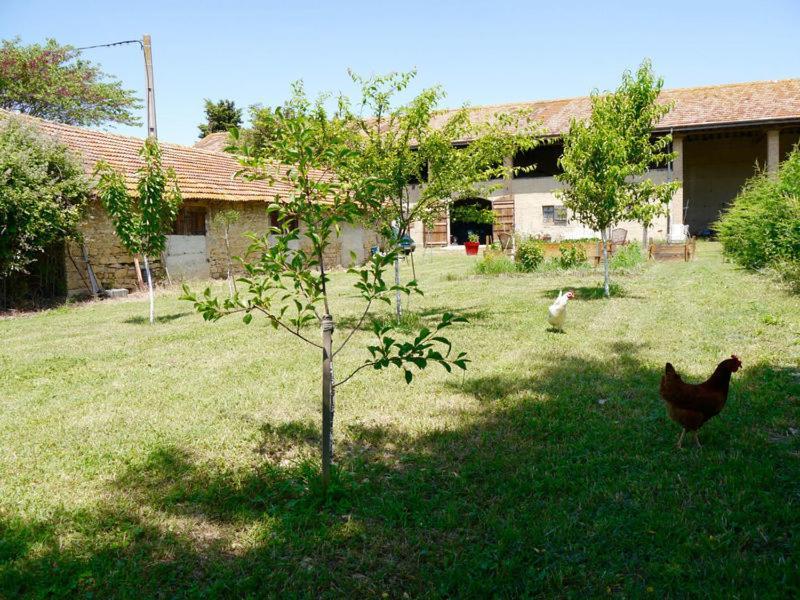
(151, 96)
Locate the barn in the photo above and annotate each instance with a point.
(722, 135)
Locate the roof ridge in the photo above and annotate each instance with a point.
(572, 98)
(111, 134)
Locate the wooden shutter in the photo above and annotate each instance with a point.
(503, 208)
(437, 235)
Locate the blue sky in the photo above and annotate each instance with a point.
(481, 52)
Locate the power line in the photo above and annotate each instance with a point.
(112, 44)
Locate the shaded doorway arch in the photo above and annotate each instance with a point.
(460, 229)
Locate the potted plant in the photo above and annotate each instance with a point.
(472, 244)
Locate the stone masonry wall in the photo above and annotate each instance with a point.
(114, 267)
(112, 264)
(253, 218)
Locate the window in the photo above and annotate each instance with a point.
(190, 221)
(274, 221)
(554, 215)
(544, 157)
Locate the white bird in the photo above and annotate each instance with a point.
(557, 313)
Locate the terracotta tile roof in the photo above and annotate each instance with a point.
(696, 107)
(216, 142)
(202, 174)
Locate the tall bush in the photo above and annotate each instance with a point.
(761, 227)
(43, 192)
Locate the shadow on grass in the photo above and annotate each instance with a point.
(413, 320)
(550, 492)
(593, 292)
(140, 320)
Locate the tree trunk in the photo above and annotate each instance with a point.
(150, 291)
(644, 238)
(398, 298)
(327, 400)
(231, 286)
(605, 262)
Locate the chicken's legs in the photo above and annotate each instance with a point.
(680, 439)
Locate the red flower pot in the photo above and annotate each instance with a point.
(472, 248)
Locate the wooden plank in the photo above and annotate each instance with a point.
(436, 235)
(503, 208)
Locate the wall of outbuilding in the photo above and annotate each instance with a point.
(114, 267)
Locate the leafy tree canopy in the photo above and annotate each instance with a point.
(399, 143)
(605, 157)
(142, 224)
(51, 81)
(43, 191)
(220, 116)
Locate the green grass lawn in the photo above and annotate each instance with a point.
(180, 460)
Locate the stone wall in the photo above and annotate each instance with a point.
(114, 267)
(112, 264)
(253, 218)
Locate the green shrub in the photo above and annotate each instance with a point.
(530, 255)
(494, 262)
(789, 272)
(627, 257)
(762, 225)
(572, 255)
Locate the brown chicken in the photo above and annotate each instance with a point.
(691, 405)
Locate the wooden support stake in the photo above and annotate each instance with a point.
(327, 400)
(139, 279)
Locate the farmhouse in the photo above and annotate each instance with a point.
(721, 134)
(196, 248)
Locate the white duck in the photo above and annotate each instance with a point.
(557, 313)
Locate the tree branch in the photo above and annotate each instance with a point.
(352, 331)
(366, 364)
(275, 319)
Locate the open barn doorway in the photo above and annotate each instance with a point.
(471, 216)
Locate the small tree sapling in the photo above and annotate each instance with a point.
(223, 221)
(399, 144)
(142, 225)
(606, 157)
(286, 278)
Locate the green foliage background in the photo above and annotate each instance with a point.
(761, 227)
(53, 82)
(43, 191)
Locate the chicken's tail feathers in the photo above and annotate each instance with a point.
(670, 370)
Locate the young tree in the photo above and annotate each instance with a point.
(223, 221)
(605, 157)
(43, 191)
(142, 224)
(290, 286)
(402, 143)
(220, 116)
(51, 81)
